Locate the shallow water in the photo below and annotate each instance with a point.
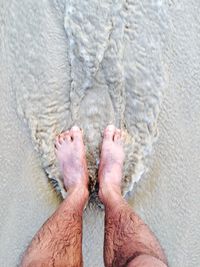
(89, 63)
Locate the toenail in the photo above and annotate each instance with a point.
(75, 128)
(110, 127)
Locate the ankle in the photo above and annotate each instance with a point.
(79, 195)
(110, 194)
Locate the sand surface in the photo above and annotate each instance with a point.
(167, 197)
(88, 63)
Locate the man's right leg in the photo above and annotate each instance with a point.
(128, 240)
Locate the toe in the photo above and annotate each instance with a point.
(61, 139)
(56, 150)
(56, 143)
(109, 132)
(117, 135)
(67, 136)
(76, 133)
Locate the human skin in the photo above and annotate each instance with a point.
(59, 241)
(128, 241)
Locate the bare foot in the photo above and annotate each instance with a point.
(111, 164)
(70, 152)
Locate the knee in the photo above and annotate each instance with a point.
(146, 261)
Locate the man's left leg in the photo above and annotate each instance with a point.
(59, 241)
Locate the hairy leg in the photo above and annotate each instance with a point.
(128, 240)
(59, 241)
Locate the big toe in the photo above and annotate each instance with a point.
(76, 133)
(109, 132)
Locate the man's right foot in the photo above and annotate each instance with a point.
(111, 164)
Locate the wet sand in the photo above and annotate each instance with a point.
(166, 197)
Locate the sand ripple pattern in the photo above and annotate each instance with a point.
(89, 63)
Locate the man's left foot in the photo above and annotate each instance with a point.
(70, 152)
